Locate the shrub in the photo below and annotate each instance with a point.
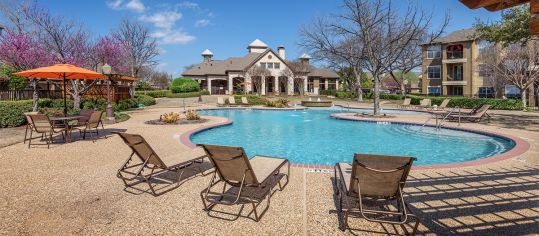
(158, 93)
(144, 99)
(191, 115)
(94, 103)
(184, 85)
(252, 99)
(204, 92)
(13, 112)
(183, 95)
(170, 118)
(343, 94)
(331, 92)
(468, 103)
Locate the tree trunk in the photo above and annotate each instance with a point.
(402, 85)
(523, 97)
(359, 87)
(35, 96)
(76, 101)
(376, 94)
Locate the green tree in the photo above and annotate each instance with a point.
(512, 28)
(347, 78)
(14, 82)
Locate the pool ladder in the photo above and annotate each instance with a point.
(441, 123)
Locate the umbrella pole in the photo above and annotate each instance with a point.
(65, 101)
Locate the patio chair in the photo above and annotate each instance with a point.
(41, 124)
(91, 126)
(441, 107)
(245, 102)
(236, 170)
(85, 113)
(232, 101)
(378, 180)
(149, 162)
(220, 102)
(424, 104)
(29, 125)
(405, 104)
(476, 115)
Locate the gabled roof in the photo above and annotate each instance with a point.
(458, 36)
(324, 73)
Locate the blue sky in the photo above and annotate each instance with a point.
(185, 28)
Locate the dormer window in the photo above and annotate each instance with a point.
(454, 51)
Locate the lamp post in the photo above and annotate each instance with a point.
(107, 70)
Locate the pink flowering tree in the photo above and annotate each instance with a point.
(108, 50)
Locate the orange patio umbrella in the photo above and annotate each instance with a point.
(61, 72)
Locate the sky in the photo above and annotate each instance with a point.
(184, 29)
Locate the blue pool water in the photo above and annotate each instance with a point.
(313, 137)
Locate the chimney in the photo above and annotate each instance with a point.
(207, 55)
(281, 52)
(305, 58)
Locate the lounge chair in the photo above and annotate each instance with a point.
(220, 102)
(441, 107)
(232, 101)
(236, 170)
(405, 104)
(41, 124)
(475, 115)
(91, 126)
(149, 162)
(378, 180)
(245, 102)
(29, 125)
(424, 104)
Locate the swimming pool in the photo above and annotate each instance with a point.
(313, 137)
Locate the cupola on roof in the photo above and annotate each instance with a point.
(257, 44)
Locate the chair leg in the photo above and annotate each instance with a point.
(30, 140)
(25, 133)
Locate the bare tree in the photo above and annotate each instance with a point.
(326, 41)
(257, 73)
(410, 59)
(515, 64)
(13, 11)
(297, 71)
(141, 49)
(161, 80)
(376, 34)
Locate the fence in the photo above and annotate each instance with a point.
(28, 94)
(97, 91)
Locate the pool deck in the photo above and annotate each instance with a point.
(72, 189)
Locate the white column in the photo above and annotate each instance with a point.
(290, 85)
(276, 85)
(230, 85)
(263, 86)
(209, 85)
(305, 83)
(248, 84)
(326, 83)
(336, 84)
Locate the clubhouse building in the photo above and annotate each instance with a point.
(236, 74)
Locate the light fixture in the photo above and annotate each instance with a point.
(106, 69)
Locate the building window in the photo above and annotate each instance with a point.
(277, 66)
(434, 90)
(332, 84)
(454, 51)
(263, 65)
(433, 72)
(486, 92)
(512, 91)
(270, 66)
(434, 52)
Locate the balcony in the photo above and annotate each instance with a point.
(454, 82)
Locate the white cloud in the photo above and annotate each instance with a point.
(165, 19)
(168, 36)
(135, 5)
(115, 4)
(202, 23)
(188, 4)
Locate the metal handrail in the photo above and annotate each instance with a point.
(439, 125)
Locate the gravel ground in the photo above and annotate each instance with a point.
(72, 189)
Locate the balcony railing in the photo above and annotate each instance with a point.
(454, 55)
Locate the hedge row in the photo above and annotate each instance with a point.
(468, 103)
(251, 98)
(169, 94)
(13, 111)
(184, 85)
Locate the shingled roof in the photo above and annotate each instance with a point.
(458, 36)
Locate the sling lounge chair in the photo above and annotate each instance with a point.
(475, 115)
(150, 162)
(377, 179)
(245, 102)
(406, 103)
(232, 101)
(424, 104)
(220, 102)
(235, 169)
(41, 124)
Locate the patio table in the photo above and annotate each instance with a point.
(65, 120)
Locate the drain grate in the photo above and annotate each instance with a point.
(316, 170)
